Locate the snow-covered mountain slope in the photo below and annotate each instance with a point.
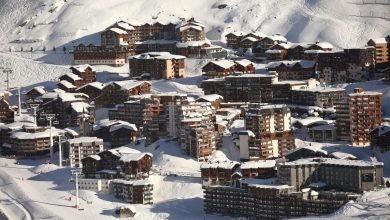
(56, 22)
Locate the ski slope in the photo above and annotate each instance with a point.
(57, 22)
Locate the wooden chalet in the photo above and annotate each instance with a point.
(117, 132)
(122, 162)
(244, 66)
(218, 69)
(215, 172)
(34, 95)
(86, 72)
(6, 112)
(119, 92)
(258, 169)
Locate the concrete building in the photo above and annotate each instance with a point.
(82, 147)
(382, 50)
(365, 115)
(323, 97)
(340, 174)
(268, 132)
(133, 192)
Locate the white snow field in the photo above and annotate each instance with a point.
(30, 189)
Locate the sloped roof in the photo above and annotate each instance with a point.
(243, 62)
(118, 31)
(129, 84)
(226, 64)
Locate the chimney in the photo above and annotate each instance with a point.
(359, 90)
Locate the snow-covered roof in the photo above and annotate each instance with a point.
(38, 89)
(74, 131)
(237, 34)
(309, 120)
(157, 55)
(80, 107)
(243, 62)
(250, 39)
(83, 67)
(277, 37)
(223, 164)
(97, 85)
(67, 84)
(319, 89)
(210, 97)
(342, 155)
(226, 64)
(134, 183)
(365, 93)
(247, 132)
(133, 157)
(129, 84)
(73, 76)
(325, 45)
(303, 63)
(237, 126)
(121, 125)
(17, 125)
(70, 97)
(381, 40)
(124, 150)
(84, 140)
(273, 51)
(125, 26)
(258, 164)
(118, 30)
(332, 161)
(313, 149)
(32, 136)
(192, 43)
(196, 27)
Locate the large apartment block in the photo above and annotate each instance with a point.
(268, 132)
(344, 175)
(160, 65)
(365, 115)
(133, 192)
(254, 200)
(82, 147)
(382, 50)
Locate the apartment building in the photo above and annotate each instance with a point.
(382, 50)
(190, 30)
(340, 174)
(249, 88)
(160, 65)
(293, 70)
(133, 192)
(258, 200)
(67, 108)
(365, 115)
(82, 147)
(268, 132)
(119, 91)
(6, 112)
(343, 123)
(320, 96)
(122, 162)
(116, 132)
(219, 172)
(31, 140)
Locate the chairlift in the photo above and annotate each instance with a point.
(56, 122)
(24, 92)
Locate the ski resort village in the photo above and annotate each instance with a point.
(212, 109)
